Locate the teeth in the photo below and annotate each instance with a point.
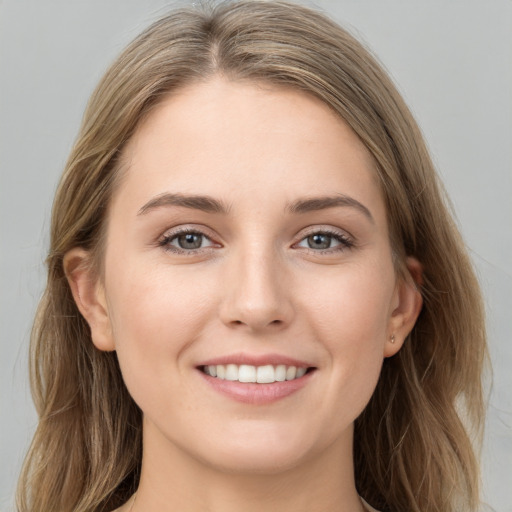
(247, 373)
(300, 372)
(221, 371)
(280, 373)
(265, 374)
(231, 372)
(291, 372)
(260, 374)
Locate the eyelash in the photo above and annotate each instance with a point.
(345, 242)
(166, 240)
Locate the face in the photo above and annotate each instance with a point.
(248, 237)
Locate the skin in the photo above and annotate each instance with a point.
(255, 286)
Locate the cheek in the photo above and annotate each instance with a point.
(353, 304)
(148, 303)
(155, 314)
(351, 322)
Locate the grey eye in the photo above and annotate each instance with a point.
(325, 241)
(319, 241)
(186, 241)
(189, 241)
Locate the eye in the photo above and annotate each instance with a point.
(186, 241)
(325, 241)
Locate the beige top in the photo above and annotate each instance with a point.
(368, 507)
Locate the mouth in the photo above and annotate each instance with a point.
(267, 380)
(265, 374)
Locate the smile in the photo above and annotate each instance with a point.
(266, 374)
(256, 384)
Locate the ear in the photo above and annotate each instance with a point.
(89, 296)
(407, 303)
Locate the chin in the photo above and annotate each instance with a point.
(255, 461)
(261, 449)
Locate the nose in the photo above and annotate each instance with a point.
(257, 296)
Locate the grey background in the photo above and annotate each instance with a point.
(453, 63)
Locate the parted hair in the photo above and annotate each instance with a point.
(416, 444)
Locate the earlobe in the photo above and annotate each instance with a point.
(89, 296)
(408, 308)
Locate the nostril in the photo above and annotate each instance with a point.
(273, 322)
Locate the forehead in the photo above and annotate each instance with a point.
(238, 141)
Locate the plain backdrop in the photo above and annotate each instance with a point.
(452, 60)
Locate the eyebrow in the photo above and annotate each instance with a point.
(210, 205)
(325, 202)
(204, 203)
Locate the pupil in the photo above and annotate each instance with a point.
(190, 241)
(319, 241)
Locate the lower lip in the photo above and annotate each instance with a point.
(257, 394)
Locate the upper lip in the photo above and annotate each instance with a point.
(256, 360)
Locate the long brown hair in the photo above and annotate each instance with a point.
(414, 443)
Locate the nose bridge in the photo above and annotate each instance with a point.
(256, 294)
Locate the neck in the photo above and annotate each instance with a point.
(174, 480)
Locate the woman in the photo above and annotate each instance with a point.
(256, 295)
